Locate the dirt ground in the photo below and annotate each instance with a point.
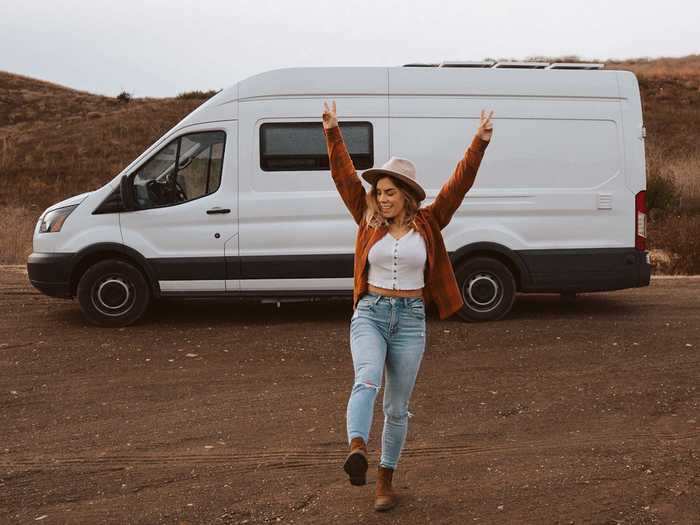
(226, 413)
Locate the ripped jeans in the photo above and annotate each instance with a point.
(387, 336)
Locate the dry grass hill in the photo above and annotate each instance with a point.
(56, 142)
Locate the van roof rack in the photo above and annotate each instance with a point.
(576, 65)
(511, 65)
(521, 65)
(485, 63)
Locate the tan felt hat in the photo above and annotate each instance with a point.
(402, 169)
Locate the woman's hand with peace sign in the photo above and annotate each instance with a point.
(329, 118)
(485, 126)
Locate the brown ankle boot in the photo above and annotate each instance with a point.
(356, 462)
(386, 497)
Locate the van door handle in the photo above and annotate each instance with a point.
(216, 210)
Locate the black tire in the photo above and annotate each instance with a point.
(488, 289)
(113, 293)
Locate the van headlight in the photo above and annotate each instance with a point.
(53, 220)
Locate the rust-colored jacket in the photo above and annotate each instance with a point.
(440, 282)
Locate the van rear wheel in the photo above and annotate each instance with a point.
(113, 293)
(488, 289)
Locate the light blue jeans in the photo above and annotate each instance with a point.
(387, 337)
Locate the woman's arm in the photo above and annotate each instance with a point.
(342, 169)
(453, 191)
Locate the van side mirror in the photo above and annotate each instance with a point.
(126, 189)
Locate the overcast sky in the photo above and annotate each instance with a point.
(164, 47)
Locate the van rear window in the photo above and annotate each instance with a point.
(301, 146)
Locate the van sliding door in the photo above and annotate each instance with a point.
(297, 236)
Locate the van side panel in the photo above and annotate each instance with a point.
(551, 181)
(295, 231)
(551, 188)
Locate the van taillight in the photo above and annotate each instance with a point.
(640, 225)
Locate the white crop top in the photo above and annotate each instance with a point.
(397, 265)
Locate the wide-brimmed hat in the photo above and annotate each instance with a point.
(402, 169)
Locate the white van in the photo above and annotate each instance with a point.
(237, 199)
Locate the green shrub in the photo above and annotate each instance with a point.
(124, 96)
(198, 94)
(678, 235)
(662, 194)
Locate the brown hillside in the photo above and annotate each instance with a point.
(27, 100)
(687, 67)
(670, 90)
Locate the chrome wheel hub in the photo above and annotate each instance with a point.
(113, 295)
(482, 292)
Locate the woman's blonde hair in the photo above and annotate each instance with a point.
(373, 215)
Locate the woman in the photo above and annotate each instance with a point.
(401, 265)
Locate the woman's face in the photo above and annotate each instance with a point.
(389, 198)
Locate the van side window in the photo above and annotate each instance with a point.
(187, 168)
(301, 146)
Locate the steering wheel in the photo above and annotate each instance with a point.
(166, 192)
(154, 192)
(179, 191)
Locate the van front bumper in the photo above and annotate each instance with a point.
(50, 273)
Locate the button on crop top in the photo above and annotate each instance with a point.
(397, 265)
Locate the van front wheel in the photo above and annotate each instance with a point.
(113, 293)
(488, 289)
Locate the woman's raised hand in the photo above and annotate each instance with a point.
(329, 118)
(485, 126)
